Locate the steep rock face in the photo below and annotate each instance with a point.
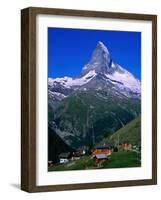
(101, 100)
(100, 61)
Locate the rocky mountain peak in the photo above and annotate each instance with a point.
(101, 46)
(99, 72)
(100, 61)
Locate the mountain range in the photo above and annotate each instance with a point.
(86, 109)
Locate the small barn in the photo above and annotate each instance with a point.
(127, 146)
(64, 157)
(76, 155)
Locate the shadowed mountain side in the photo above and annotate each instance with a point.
(56, 146)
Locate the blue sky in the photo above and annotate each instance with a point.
(70, 49)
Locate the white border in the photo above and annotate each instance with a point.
(86, 176)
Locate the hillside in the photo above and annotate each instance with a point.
(82, 114)
(56, 146)
(129, 133)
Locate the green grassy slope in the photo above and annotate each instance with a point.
(117, 160)
(129, 133)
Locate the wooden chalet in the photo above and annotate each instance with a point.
(102, 152)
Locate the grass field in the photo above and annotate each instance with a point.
(121, 159)
(130, 133)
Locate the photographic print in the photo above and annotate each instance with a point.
(94, 99)
(88, 99)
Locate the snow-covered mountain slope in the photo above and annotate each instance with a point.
(99, 71)
(125, 80)
(102, 62)
(69, 82)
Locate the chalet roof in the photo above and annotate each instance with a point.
(101, 151)
(64, 155)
